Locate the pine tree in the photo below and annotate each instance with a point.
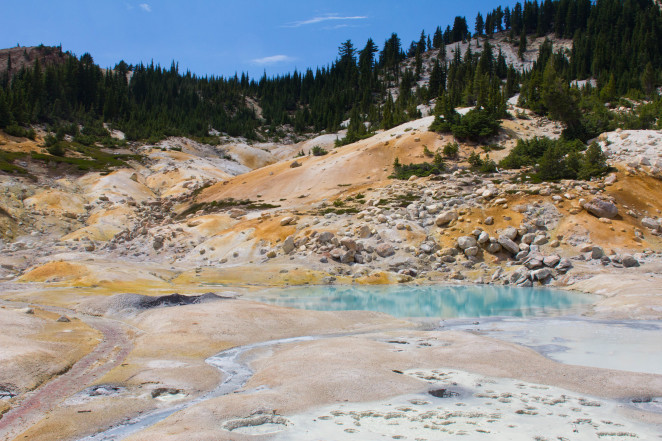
(648, 79)
(480, 25)
(522, 46)
(388, 120)
(438, 38)
(6, 117)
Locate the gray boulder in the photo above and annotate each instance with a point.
(348, 243)
(542, 274)
(465, 242)
(288, 245)
(493, 248)
(471, 251)
(551, 261)
(508, 245)
(364, 232)
(651, 223)
(510, 233)
(427, 248)
(325, 237)
(158, 243)
(528, 238)
(597, 253)
(384, 250)
(534, 261)
(445, 218)
(601, 208)
(348, 257)
(629, 261)
(518, 276)
(564, 266)
(336, 253)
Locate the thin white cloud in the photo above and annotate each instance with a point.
(340, 26)
(272, 59)
(145, 7)
(323, 18)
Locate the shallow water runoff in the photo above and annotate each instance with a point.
(431, 301)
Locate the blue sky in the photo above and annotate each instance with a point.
(223, 37)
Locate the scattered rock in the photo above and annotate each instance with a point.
(629, 262)
(325, 237)
(465, 242)
(348, 243)
(158, 243)
(446, 217)
(471, 251)
(384, 250)
(288, 245)
(597, 253)
(508, 244)
(364, 232)
(551, 261)
(493, 248)
(650, 223)
(601, 208)
(286, 221)
(564, 266)
(510, 233)
(542, 274)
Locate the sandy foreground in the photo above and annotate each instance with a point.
(298, 374)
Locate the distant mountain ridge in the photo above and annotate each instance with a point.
(23, 57)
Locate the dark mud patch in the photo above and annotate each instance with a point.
(124, 304)
(443, 393)
(168, 394)
(147, 302)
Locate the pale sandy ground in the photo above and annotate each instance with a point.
(305, 380)
(486, 408)
(294, 381)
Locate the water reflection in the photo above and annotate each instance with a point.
(430, 301)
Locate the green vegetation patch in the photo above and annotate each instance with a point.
(476, 125)
(7, 162)
(350, 210)
(424, 169)
(95, 159)
(557, 159)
